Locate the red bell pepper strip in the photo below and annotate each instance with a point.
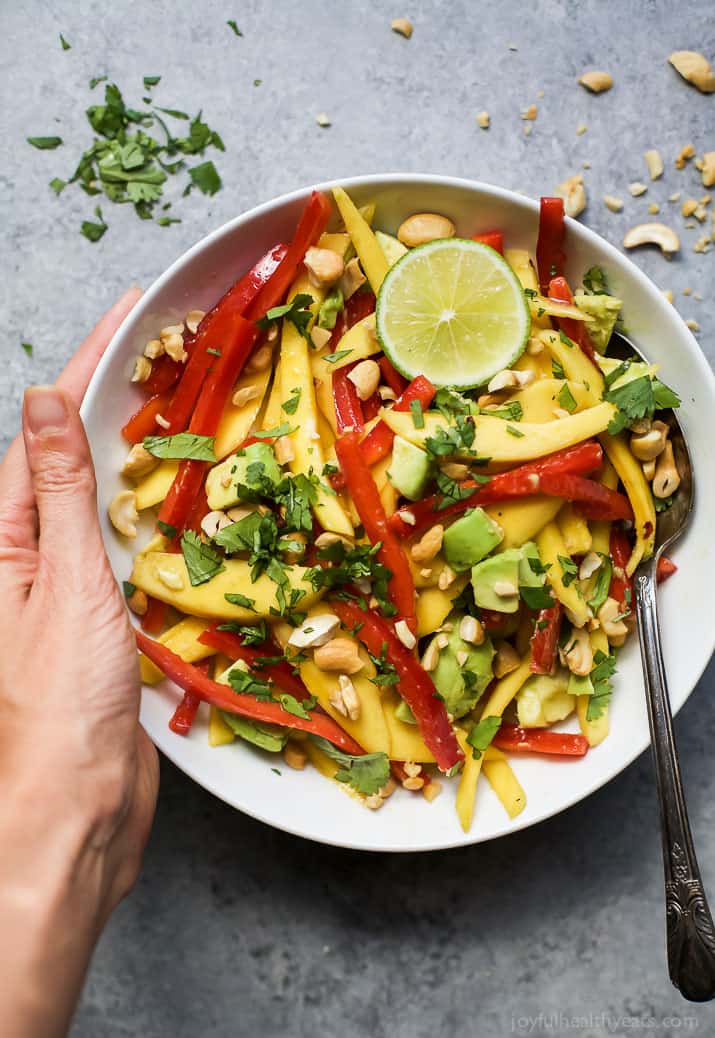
(493, 620)
(348, 406)
(143, 423)
(575, 330)
(279, 674)
(366, 498)
(185, 713)
(545, 639)
(155, 616)
(587, 493)
(390, 374)
(378, 442)
(550, 256)
(190, 679)
(494, 239)
(620, 551)
(665, 568)
(371, 407)
(524, 481)
(513, 739)
(415, 684)
(216, 332)
(165, 373)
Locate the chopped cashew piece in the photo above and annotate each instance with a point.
(405, 634)
(324, 266)
(244, 395)
(323, 120)
(695, 68)
(505, 589)
(138, 462)
(338, 654)
(365, 376)
(667, 479)
(613, 203)
(653, 234)
(352, 279)
(153, 349)
(577, 653)
(708, 170)
(653, 208)
(212, 522)
(123, 513)
(609, 616)
(174, 347)
(684, 155)
(283, 450)
(654, 163)
(471, 630)
(294, 756)
(193, 319)
(142, 369)
(506, 659)
(320, 336)
(483, 120)
(402, 26)
(649, 445)
(581, 129)
(689, 206)
(260, 359)
(597, 82)
(530, 113)
(573, 193)
(447, 577)
(171, 579)
(589, 564)
(315, 630)
(508, 379)
(424, 227)
(636, 188)
(430, 658)
(429, 545)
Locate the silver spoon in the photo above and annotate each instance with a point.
(689, 924)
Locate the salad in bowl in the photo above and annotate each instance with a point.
(399, 490)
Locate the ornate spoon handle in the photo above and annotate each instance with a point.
(690, 931)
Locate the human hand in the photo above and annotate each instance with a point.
(79, 775)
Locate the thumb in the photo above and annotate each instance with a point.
(62, 476)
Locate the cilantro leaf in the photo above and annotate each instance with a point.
(128, 588)
(45, 143)
(290, 406)
(482, 734)
(94, 231)
(181, 446)
(167, 529)
(511, 411)
(454, 439)
(202, 561)
(595, 282)
(449, 403)
(234, 598)
(65, 44)
(602, 584)
(294, 706)
(537, 597)
(205, 177)
(330, 307)
(452, 491)
(232, 24)
(332, 358)
(663, 396)
(566, 399)
(513, 431)
(366, 774)
(569, 569)
(605, 668)
(166, 221)
(248, 684)
(418, 418)
(96, 80)
(58, 185)
(151, 81)
(633, 400)
(250, 635)
(284, 429)
(298, 312)
(557, 369)
(28, 348)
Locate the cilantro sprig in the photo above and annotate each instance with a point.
(366, 774)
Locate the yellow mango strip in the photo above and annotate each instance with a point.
(371, 256)
(574, 530)
(336, 241)
(388, 494)
(577, 366)
(296, 374)
(521, 520)
(551, 545)
(540, 399)
(406, 743)
(236, 421)
(601, 528)
(596, 730)
(370, 729)
(539, 363)
(219, 732)
(273, 415)
(541, 306)
(321, 761)
(153, 572)
(520, 262)
(504, 782)
(153, 488)
(639, 493)
(183, 639)
(493, 439)
(501, 695)
(434, 605)
(361, 342)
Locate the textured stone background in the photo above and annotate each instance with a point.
(235, 929)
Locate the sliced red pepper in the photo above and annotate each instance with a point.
(215, 333)
(390, 374)
(185, 713)
(165, 373)
(378, 442)
(665, 568)
(517, 482)
(348, 406)
(575, 330)
(545, 639)
(366, 498)
(494, 239)
(621, 585)
(587, 493)
(513, 739)
(550, 256)
(143, 423)
(155, 616)
(280, 674)
(493, 620)
(371, 407)
(190, 679)
(415, 685)
(357, 307)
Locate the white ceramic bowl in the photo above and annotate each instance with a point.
(303, 802)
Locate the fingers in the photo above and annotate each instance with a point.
(62, 478)
(75, 377)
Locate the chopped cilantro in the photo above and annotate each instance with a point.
(452, 439)
(181, 446)
(243, 682)
(45, 143)
(96, 80)
(449, 403)
(605, 667)
(565, 339)
(257, 82)
(151, 81)
(166, 221)
(65, 44)
(386, 673)
(537, 597)
(366, 774)
(482, 734)
(28, 348)
(662, 504)
(250, 635)
(556, 369)
(566, 399)
(511, 411)
(167, 529)
(234, 598)
(602, 584)
(94, 231)
(637, 399)
(513, 431)
(298, 312)
(284, 429)
(595, 282)
(451, 490)
(351, 564)
(294, 706)
(290, 406)
(232, 25)
(332, 358)
(202, 561)
(128, 588)
(569, 569)
(58, 185)
(205, 177)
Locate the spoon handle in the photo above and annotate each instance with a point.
(690, 931)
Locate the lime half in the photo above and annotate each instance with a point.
(452, 310)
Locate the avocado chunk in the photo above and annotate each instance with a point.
(392, 248)
(580, 685)
(404, 714)
(265, 736)
(543, 700)
(467, 541)
(463, 671)
(531, 571)
(498, 572)
(605, 310)
(254, 467)
(410, 470)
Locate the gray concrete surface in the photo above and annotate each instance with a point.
(235, 929)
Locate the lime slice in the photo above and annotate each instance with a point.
(452, 310)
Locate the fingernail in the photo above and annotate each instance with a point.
(45, 409)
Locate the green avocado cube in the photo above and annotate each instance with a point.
(470, 539)
(254, 467)
(463, 670)
(410, 470)
(493, 576)
(530, 575)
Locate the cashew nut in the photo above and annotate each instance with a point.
(212, 522)
(320, 336)
(153, 349)
(138, 602)
(596, 81)
(509, 379)
(648, 445)
(506, 659)
(447, 575)
(138, 462)
(483, 120)
(667, 479)
(315, 630)
(649, 470)
(429, 545)
(352, 279)
(244, 395)
(577, 654)
(123, 513)
(614, 629)
(653, 234)
(283, 450)
(174, 346)
(695, 68)
(471, 630)
(324, 266)
(403, 26)
(345, 699)
(574, 195)
(589, 564)
(294, 756)
(260, 359)
(637, 189)
(365, 376)
(708, 170)
(142, 369)
(430, 658)
(613, 203)
(338, 654)
(423, 227)
(654, 162)
(405, 634)
(193, 320)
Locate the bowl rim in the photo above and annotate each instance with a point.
(513, 198)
